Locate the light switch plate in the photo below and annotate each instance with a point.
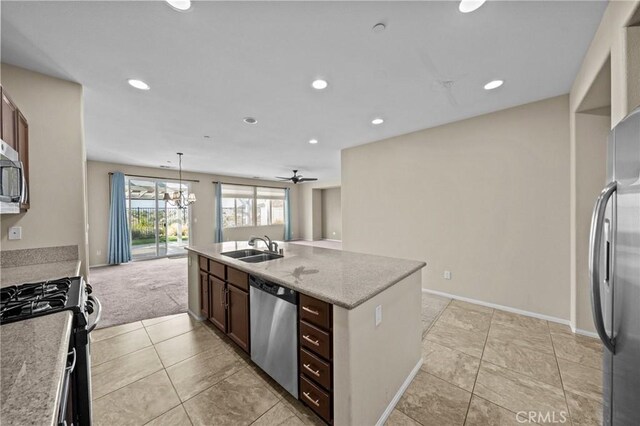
(15, 233)
(447, 275)
(378, 315)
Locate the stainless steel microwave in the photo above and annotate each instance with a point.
(13, 185)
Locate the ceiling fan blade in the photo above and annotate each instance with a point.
(283, 178)
(307, 179)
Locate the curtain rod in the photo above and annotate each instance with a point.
(157, 177)
(246, 184)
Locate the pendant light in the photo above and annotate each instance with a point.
(178, 198)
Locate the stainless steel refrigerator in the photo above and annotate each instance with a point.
(614, 267)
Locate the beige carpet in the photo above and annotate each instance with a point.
(140, 290)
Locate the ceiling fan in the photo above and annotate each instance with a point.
(296, 178)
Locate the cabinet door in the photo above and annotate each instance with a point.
(23, 151)
(204, 294)
(8, 127)
(218, 302)
(238, 316)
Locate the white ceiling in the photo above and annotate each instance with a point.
(222, 61)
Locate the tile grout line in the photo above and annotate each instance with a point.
(437, 318)
(119, 334)
(170, 381)
(473, 389)
(564, 391)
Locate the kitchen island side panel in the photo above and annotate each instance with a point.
(194, 286)
(371, 363)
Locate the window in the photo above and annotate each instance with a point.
(270, 206)
(251, 206)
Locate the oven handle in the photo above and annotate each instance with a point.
(62, 411)
(97, 307)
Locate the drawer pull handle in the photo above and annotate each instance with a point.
(310, 340)
(315, 402)
(311, 311)
(311, 370)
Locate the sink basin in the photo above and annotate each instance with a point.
(242, 253)
(261, 257)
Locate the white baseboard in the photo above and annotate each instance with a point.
(387, 412)
(496, 306)
(329, 239)
(585, 332)
(194, 316)
(515, 311)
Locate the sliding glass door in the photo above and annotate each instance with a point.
(156, 227)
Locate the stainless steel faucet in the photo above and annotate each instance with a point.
(272, 246)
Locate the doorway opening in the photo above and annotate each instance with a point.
(156, 228)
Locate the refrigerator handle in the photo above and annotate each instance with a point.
(595, 247)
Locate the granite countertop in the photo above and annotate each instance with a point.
(342, 278)
(34, 354)
(39, 272)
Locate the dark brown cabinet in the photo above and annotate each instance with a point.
(22, 141)
(316, 355)
(238, 316)
(204, 294)
(227, 299)
(14, 130)
(218, 302)
(9, 116)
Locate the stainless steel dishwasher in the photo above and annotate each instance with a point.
(274, 334)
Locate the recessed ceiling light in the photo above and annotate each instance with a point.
(467, 6)
(319, 84)
(139, 84)
(377, 121)
(313, 141)
(379, 27)
(180, 5)
(493, 84)
(250, 120)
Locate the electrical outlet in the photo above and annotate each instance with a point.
(378, 315)
(15, 233)
(447, 275)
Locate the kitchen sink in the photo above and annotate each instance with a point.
(261, 257)
(242, 253)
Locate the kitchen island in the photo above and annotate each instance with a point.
(359, 321)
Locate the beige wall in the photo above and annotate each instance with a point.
(362, 389)
(202, 215)
(609, 48)
(310, 208)
(486, 198)
(331, 214)
(53, 108)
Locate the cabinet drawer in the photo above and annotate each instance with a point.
(317, 399)
(217, 269)
(238, 278)
(315, 311)
(315, 368)
(204, 263)
(316, 340)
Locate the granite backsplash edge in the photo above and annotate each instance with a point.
(34, 256)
